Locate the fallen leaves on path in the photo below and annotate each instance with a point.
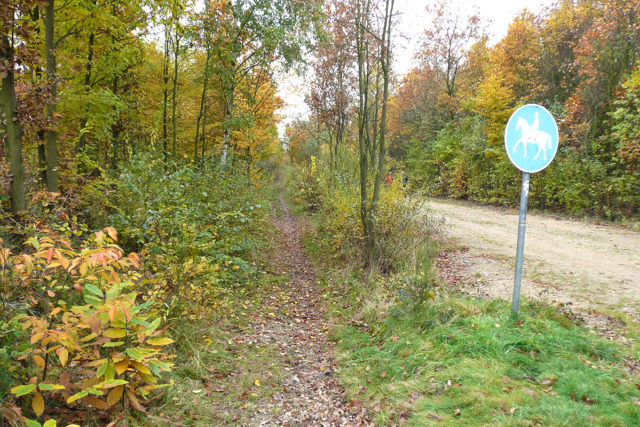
(309, 393)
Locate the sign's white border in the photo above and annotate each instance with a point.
(557, 138)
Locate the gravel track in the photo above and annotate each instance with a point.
(583, 265)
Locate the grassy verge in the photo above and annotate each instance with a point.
(470, 360)
(460, 359)
(221, 370)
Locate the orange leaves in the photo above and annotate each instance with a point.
(36, 337)
(39, 361)
(112, 313)
(112, 233)
(134, 259)
(59, 337)
(117, 310)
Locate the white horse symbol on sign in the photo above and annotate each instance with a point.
(529, 134)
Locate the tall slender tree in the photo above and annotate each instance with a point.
(12, 125)
(52, 108)
(373, 51)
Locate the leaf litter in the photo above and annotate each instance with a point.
(308, 392)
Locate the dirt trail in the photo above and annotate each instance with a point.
(589, 266)
(309, 394)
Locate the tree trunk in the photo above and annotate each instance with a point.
(42, 159)
(228, 114)
(42, 156)
(14, 134)
(201, 112)
(174, 101)
(165, 78)
(115, 129)
(51, 134)
(87, 89)
(204, 122)
(371, 129)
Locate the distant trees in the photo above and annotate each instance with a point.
(332, 92)
(577, 58)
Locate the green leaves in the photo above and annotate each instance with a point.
(94, 290)
(50, 387)
(21, 390)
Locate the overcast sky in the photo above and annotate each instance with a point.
(413, 19)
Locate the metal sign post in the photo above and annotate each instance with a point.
(529, 125)
(524, 199)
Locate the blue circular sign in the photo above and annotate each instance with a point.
(531, 138)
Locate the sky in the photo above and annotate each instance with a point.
(412, 20)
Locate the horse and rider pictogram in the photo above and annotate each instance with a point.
(531, 124)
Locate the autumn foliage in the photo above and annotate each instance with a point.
(578, 59)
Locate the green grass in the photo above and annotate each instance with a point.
(218, 361)
(473, 356)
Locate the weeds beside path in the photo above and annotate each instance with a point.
(308, 391)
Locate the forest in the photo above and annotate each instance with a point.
(174, 251)
(447, 115)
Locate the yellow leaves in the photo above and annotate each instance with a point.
(36, 337)
(39, 361)
(89, 337)
(115, 395)
(122, 366)
(83, 268)
(64, 262)
(63, 355)
(115, 333)
(37, 403)
(160, 341)
(4, 256)
(257, 383)
(140, 367)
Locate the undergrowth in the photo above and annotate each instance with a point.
(101, 325)
(419, 354)
(459, 359)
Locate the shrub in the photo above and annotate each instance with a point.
(307, 181)
(198, 227)
(89, 334)
(401, 222)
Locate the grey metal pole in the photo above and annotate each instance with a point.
(524, 199)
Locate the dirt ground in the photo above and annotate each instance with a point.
(309, 392)
(582, 265)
